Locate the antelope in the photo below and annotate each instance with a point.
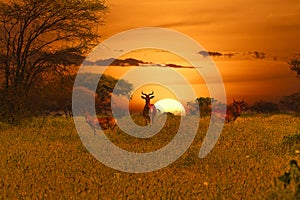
(100, 122)
(68, 110)
(234, 111)
(149, 111)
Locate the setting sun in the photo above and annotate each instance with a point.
(170, 105)
(169, 99)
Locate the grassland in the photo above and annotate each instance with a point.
(45, 159)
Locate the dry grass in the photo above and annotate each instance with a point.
(46, 159)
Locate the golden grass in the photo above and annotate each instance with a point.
(46, 159)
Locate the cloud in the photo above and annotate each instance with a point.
(177, 66)
(257, 54)
(116, 62)
(184, 23)
(129, 62)
(203, 53)
(229, 55)
(216, 54)
(253, 54)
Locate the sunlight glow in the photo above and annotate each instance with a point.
(170, 105)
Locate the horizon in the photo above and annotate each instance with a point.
(118, 71)
(250, 45)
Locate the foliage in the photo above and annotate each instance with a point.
(294, 64)
(105, 87)
(264, 107)
(41, 38)
(292, 176)
(203, 104)
(54, 96)
(291, 139)
(291, 144)
(290, 103)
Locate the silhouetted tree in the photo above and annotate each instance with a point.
(54, 96)
(105, 87)
(264, 107)
(290, 103)
(42, 37)
(204, 104)
(295, 64)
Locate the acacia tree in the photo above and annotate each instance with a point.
(105, 87)
(43, 37)
(203, 103)
(295, 64)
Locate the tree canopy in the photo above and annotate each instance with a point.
(264, 107)
(204, 104)
(290, 103)
(295, 64)
(41, 38)
(105, 87)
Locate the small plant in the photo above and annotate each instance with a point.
(292, 176)
(291, 140)
(291, 143)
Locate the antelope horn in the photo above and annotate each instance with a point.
(143, 93)
(151, 93)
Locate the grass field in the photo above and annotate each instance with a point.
(45, 159)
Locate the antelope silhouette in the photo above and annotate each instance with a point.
(103, 123)
(149, 111)
(234, 111)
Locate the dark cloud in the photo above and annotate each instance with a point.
(229, 55)
(254, 54)
(177, 66)
(214, 53)
(257, 54)
(116, 62)
(210, 53)
(131, 62)
(203, 53)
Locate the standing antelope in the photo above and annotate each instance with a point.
(149, 111)
(100, 122)
(234, 111)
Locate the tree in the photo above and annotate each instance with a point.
(264, 107)
(295, 64)
(105, 87)
(42, 37)
(55, 96)
(203, 103)
(290, 103)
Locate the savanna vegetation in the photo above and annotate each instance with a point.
(42, 42)
(45, 159)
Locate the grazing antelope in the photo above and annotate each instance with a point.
(68, 110)
(149, 111)
(100, 122)
(234, 111)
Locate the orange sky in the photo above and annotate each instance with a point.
(271, 28)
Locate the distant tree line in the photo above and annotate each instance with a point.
(264, 107)
(289, 103)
